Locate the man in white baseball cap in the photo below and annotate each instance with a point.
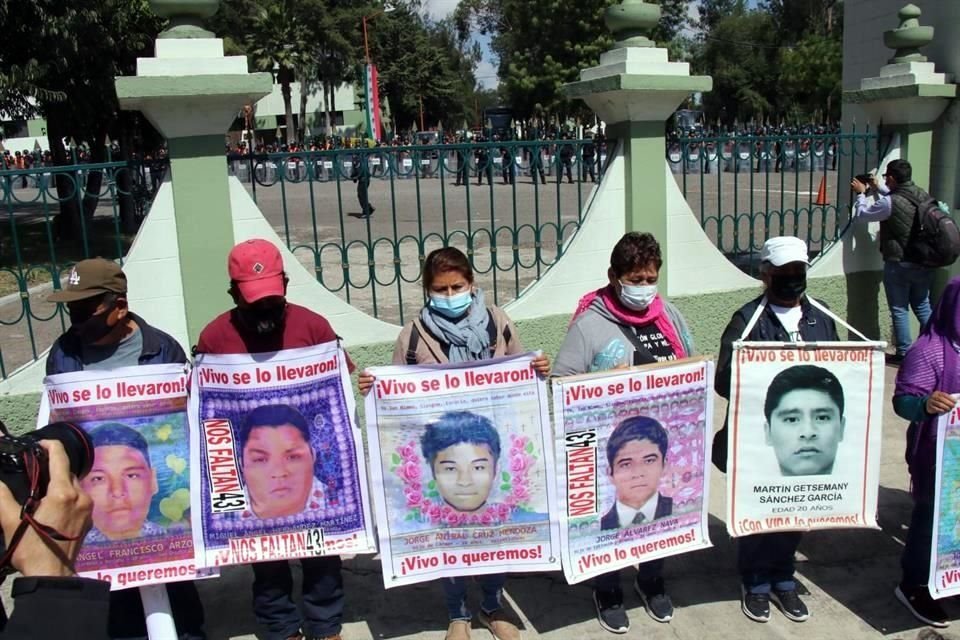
(765, 561)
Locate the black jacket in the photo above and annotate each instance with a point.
(61, 608)
(158, 348)
(815, 326)
(610, 521)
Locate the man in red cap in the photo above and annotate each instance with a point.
(262, 322)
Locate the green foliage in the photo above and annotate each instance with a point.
(541, 50)
(780, 61)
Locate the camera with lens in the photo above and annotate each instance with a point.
(864, 178)
(24, 465)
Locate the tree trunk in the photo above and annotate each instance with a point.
(333, 103)
(328, 116)
(91, 196)
(285, 76)
(302, 127)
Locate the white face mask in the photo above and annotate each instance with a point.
(637, 296)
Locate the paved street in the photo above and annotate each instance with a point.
(850, 576)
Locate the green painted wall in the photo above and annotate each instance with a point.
(37, 127)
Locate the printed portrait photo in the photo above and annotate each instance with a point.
(139, 481)
(461, 468)
(277, 462)
(636, 454)
(296, 459)
(804, 420)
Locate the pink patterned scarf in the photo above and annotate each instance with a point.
(655, 313)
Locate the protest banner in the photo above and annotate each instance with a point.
(633, 471)
(277, 458)
(462, 470)
(945, 551)
(804, 436)
(140, 482)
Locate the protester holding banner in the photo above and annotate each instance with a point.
(623, 324)
(930, 373)
(766, 561)
(264, 322)
(104, 334)
(456, 326)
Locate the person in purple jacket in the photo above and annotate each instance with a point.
(930, 373)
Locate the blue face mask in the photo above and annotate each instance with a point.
(451, 306)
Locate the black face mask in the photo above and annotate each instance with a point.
(262, 320)
(788, 287)
(91, 328)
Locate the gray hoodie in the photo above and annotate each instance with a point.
(596, 342)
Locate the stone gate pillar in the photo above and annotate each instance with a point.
(191, 93)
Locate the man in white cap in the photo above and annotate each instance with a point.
(765, 561)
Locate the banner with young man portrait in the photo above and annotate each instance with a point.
(804, 437)
(277, 458)
(463, 473)
(140, 482)
(633, 471)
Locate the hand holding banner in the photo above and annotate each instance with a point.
(945, 548)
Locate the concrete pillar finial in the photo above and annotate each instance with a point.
(630, 21)
(186, 17)
(907, 39)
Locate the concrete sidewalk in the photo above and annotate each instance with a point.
(850, 576)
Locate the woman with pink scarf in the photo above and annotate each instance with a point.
(627, 323)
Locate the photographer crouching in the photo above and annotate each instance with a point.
(43, 537)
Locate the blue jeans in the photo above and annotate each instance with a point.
(455, 594)
(907, 287)
(915, 560)
(323, 598)
(766, 561)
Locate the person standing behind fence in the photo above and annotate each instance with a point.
(536, 161)
(462, 175)
(457, 326)
(930, 373)
(623, 324)
(484, 164)
(589, 158)
(905, 284)
(766, 561)
(566, 161)
(360, 174)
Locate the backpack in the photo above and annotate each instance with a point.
(491, 332)
(934, 239)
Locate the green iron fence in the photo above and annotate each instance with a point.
(512, 207)
(37, 247)
(745, 189)
(513, 225)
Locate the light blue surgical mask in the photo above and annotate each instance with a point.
(637, 296)
(451, 306)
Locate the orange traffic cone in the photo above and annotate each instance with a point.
(822, 193)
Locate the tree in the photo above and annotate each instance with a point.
(810, 77)
(713, 11)
(421, 69)
(741, 53)
(278, 41)
(66, 56)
